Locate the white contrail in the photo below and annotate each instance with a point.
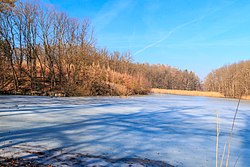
(168, 35)
(153, 44)
(179, 27)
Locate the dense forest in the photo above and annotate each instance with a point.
(230, 80)
(43, 51)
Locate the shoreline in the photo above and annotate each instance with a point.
(193, 93)
(153, 90)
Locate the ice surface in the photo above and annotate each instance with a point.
(178, 130)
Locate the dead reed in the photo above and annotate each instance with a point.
(192, 93)
(228, 143)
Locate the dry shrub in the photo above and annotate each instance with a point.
(98, 81)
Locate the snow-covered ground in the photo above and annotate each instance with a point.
(113, 131)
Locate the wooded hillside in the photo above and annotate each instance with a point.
(230, 80)
(44, 51)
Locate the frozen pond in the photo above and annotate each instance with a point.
(178, 130)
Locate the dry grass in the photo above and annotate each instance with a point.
(186, 92)
(192, 93)
(245, 97)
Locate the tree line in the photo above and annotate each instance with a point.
(44, 51)
(230, 80)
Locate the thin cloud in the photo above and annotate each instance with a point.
(109, 12)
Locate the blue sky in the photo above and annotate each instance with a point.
(198, 35)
